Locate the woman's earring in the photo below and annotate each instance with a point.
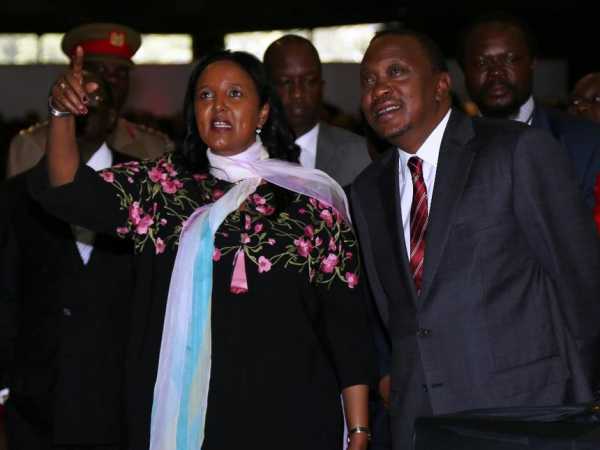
(258, 130)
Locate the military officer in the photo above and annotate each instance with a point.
(108, 52)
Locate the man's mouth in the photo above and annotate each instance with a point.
(386, 110)
(220, 125)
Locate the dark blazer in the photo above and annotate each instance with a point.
(66, 325)
(581, 138)
(341, 154)
(509, 309)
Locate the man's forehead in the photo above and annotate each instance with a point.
(387, 49)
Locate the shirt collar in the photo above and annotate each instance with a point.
(525, 112)
(101, 159)
(308, 138)
(430, 149)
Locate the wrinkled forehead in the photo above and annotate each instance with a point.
(496, 36)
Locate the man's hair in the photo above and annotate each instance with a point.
(432, 50)
(293, 39)
(501, 18)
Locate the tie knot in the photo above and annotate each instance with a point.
(415, 164)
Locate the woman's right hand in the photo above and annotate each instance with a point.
(70, 93)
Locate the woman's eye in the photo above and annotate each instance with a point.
(235, 93)
(204, 95)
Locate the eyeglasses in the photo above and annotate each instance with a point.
(582, 102)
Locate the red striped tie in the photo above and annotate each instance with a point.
(418, 221)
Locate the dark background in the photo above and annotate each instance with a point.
(566, 30)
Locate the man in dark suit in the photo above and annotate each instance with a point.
(480, 255)
(64, 308)
(294, 66)
(584, 100)
(497, 53)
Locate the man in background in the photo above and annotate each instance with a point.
(498, 55)
(584, 101)
(108, 52)
(64, 311)
(294, 66)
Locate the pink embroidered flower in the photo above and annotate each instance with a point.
(170, 169)
(247, 222)
(351, 279)
(349, 256)
(265, 209)
(216, 254)
(130, 180)
(302, 211)
(258, 227)
(271, 241)
(143, 224)
(135, 213)
(107, 176)
(159, 246)
(258, 199)
(171, 186)
(332, 245)
(313, 202)
(303, 247)
(163, 221)
(327, 217)
(309, 231)
(323, 205)
(217, 194)
(200, 176)
(156, 175)
(245, 238)
(122, 230)
(264, 265)
(318, 241)
(329, 263)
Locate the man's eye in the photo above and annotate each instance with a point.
(396, 70)
(235, 93)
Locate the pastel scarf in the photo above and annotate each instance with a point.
(181, 389)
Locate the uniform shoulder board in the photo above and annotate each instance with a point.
(33, 128)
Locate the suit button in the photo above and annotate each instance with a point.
(423, 332)
(67, 312)
(424, 386)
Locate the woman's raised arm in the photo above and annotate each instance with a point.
(68, 99)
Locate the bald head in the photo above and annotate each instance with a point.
(294, 67)
(585, 98)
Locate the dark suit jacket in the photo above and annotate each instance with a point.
(341, 154)
(510, 302)
(65, 323)
(581, 138)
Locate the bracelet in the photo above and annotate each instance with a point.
(359, 430)
(55, 112)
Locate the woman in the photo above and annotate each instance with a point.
(264, 323)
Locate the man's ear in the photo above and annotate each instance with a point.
(443, 86)
(263, 115)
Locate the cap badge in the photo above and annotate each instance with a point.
(117, 38)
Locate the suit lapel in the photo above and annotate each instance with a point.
(326, 150)
(454, 165)
(394, 266)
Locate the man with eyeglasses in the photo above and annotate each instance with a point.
(585, 98)
(108, 52)
(498, 54)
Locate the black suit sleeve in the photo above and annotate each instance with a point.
(561, 234)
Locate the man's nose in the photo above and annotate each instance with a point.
(297, 90)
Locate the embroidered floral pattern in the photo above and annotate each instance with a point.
(158, 201)
(311, 237)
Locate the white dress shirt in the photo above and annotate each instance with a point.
(308, 147)
(429, 153)
(525, 113)
(84, 238)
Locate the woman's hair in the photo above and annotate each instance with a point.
(276, 135)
